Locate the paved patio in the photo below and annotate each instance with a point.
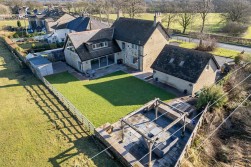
(134, 148)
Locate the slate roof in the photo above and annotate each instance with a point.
(79, 24)
(134, 31)
(194, 62)
(63, 21)
(82, 42)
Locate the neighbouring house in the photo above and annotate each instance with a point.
(184, 69)
(67, 24)
(134, 42)
(37, 22)
(93, 49)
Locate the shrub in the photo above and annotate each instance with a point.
(207, 45)
(234, 29)
(33, 45)
(15, 35)
(19, 23)
(53, 46)
(212, 94)
(238, 59)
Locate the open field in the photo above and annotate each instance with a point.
(109, 98)
(35, 128)
(213, 23)
(13, 23)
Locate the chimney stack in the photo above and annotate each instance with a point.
(155, 20)
(119, 13)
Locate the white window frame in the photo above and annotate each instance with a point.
(99, 45)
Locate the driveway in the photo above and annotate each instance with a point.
(221, 45)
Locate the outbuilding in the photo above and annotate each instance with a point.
(185, 69)
(41, 64)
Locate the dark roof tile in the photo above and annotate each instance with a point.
(134, 31)
(194, 62)
(82, 42)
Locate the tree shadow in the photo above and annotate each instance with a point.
(70, 129)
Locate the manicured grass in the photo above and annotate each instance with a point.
(35, 128)
(13, 23)
(109, 98)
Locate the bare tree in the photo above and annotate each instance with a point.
(134, 7)
(185, 15)
(4, 9)
(85, 6)
(33, 5)
(68, 6)
(118, 5)
(100, 7)
(236, 11)
(203, 7)
(170, 10)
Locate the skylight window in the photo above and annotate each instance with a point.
(171, 61)
(181, 63)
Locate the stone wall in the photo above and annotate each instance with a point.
(175, 82)
(153, 47)
(207, 77)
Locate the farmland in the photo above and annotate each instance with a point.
(35, 128)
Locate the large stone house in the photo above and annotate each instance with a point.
(93, 49)
(134, 42)
(185, 69)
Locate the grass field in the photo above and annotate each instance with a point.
(35, 128)
(109, 98)
(13, 23)
(247, 35)
(213, 23)
(218, 51)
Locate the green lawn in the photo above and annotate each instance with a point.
(13, 23)
(247, 35)
(35, 128)
(28, 45)
(109, 98)
(218, 51)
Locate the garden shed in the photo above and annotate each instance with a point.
(41, 64)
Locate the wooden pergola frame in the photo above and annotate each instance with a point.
(150, 141)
